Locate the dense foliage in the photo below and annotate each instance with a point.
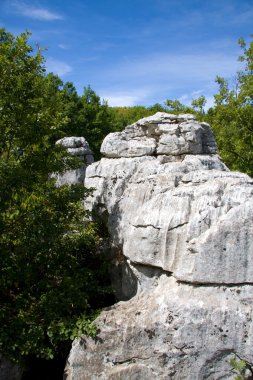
(232, 116)
(51, 275)
(124, 116)
(87, 116)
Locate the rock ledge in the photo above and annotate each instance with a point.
(182, 241)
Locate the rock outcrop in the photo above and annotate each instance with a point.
(79, 147)
(182, 240)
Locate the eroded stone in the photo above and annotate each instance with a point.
(182, 223)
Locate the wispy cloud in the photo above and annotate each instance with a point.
(171, 68)
(234, 14)
(63, 46)
(104, 46)
(58, 67)
(163, 76)
(37, 13)
(117, 98)
(122, 100)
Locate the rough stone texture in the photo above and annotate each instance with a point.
(76, 146)
(174, 331)
(162, 134)
(182, 238)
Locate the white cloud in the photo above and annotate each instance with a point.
(57, 67)
(121, 100)
(234, 14)
(209, 102)
(63, 46)
(176, 67)
(197, 93)
(117, 98)
(154, 78)
(42, 14)
(185, 99)
(104, 46)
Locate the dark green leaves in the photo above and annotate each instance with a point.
(52, 276)
(232, 116)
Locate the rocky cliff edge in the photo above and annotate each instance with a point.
(181, 234)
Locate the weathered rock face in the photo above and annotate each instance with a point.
(76, 146)
(160, 134)
(182, 236)
(174, 331)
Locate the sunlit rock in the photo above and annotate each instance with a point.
(181, 234)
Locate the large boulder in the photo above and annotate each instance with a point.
(182, 245)
(78, 147)
(160, 134)
(173, 331)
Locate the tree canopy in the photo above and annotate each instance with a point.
(52, 276)
(232, 115)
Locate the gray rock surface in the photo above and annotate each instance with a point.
(76, 146)
(173, 331)
(162, 133)
(9, 370)
(182, 240)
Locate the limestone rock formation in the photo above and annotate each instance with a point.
(76, 146)
(182, 240)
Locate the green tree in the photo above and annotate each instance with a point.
(197, 107)
(199, 104)
(128, 115)
(96, 119)
(232, 115)
(50, 272)
(176, 106)
(157, 107)
(87, 116)
(242, 368)
(72, 110)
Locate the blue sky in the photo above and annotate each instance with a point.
(136, 52)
